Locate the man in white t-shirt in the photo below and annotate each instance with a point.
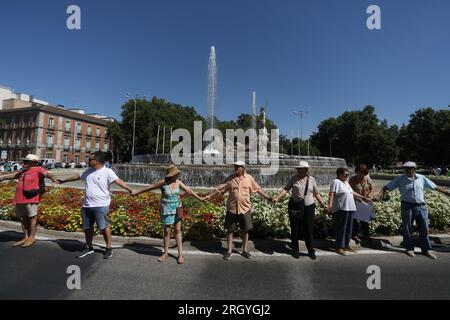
(96, 201)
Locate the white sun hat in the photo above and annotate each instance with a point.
(302, 164)
(239, 164)
(31, 157)
(409, 164)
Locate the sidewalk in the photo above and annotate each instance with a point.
(218, 245)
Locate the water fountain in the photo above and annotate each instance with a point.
(150, 168)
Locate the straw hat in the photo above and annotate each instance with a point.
(31, 157)
(302, 164)
(172, 171)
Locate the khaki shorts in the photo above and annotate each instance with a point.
(29, 210)
(243, 220)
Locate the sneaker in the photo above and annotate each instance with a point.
(430, 255)
(312, 255)
(227, 256)
(108, 253)
(350, 250)
(296, 254)
(410, 253)
(247, 255)
(86, 252)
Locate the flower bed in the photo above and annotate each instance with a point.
(139, 216)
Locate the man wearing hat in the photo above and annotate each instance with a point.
(28, 196)
(239, 187)
(412, 186)
(301, 207)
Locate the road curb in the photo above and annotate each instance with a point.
(263, 245)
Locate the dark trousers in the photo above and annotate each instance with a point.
(343, 225)
(360, 225)
(303, 224)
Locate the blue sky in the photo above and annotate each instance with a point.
(297, 55)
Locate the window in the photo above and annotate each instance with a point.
(65, 158)
(89, 130)
(66, 143)
(78, 127)
(98, 132)
(88, 146)
(67, 126)
(97, 145)
(77, 144)
(51, 123)
(105, 146)
(50, 141)
(77, 159)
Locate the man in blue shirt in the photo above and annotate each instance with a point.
(412, 187)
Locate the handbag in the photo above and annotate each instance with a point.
(297, 207)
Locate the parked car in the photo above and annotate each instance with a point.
(49, 163)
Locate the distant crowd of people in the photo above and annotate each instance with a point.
(349, 203)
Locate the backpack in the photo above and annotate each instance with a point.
(33, 192)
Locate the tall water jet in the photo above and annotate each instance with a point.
(212, 87)
(212, 95)
(254, 111)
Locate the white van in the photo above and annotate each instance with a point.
(49, 163)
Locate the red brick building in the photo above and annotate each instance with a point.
(50, 132)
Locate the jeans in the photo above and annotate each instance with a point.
(343, 227)
(303, 223)
(411, 212)
(98, 215)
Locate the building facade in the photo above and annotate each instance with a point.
(51, 132)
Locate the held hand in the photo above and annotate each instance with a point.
(60, 181)
(274, 200)
(329, 211)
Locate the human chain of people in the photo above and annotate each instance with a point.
(349, 203)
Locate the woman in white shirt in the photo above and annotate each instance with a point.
(341, 204)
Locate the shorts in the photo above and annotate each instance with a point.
(97, 215)
(244, 221)
(29, 210)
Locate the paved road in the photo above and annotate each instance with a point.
(134, 273)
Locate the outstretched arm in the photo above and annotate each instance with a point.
(69, 179)
(50, 176)
(189, 191)
(442, 190)
(279, 196)
(154, 186)
(123, 185)
(12, 176)
(264, 195)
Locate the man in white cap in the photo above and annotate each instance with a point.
(301, 207)
(413, 207)
(239, 187)
(29, 190)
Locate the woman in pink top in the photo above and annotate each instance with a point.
(28, 196)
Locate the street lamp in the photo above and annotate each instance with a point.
(301, 113)
(331, 140)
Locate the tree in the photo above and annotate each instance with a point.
(425, 138)
(358, 137)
